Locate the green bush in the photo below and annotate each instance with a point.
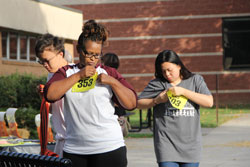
(8, 93)
(25, 118)
(20, 91)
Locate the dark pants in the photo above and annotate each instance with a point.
(116, 158)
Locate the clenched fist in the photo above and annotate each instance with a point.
(87, 71)
(161, 98)
(177, 91)
(105, 79)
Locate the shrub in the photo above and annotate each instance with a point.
(20, 91)
(25, 118)
(8, 93)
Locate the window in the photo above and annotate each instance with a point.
(4, 44)
(23, 47)
(18, 47)
(32, 55)
(13, 46)
(236, 48)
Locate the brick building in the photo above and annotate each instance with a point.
(210, 36)
(193, 28)
(20, 24)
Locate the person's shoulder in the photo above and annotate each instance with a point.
(156, 84)
(109, 70)
(72, 64)
(194, 76)
(197, 77)
(63, 70)
(69, 66)
(156, 81)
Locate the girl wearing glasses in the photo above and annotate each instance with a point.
(94, 136)
(51, 54)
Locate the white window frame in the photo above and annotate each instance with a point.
(18, 58)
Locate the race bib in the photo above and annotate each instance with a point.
(177, 101)
(85, 84)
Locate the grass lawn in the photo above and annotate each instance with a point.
(208, 115)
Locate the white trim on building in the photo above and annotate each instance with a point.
(40, 18)
(85, 2)
(166, 37)
(172, 17)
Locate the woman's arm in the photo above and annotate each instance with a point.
(148, 103)
(58, 88)
(125, 96)
(145, 103)
(198, 98)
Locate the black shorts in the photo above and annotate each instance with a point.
(115, 158)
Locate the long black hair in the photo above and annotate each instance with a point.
(171, 57)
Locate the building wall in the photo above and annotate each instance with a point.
(8, 67)
(193, 28)
(19, 29)
(40, 18)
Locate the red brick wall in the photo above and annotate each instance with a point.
(165, 8)
(154, 46)
(194, 64)
(155, 27)
(188, 27)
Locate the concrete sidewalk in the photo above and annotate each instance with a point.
(225, 146)
(228, 145)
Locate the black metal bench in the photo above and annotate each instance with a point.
(143, 124)
(13, 159)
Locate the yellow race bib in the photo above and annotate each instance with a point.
(177, 101)
(85, 84)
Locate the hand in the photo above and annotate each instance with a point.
(161, 98)
(88, 71)
(39, 89)
(105, 79)
(177, 91)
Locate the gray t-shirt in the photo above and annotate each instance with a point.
(177, 133)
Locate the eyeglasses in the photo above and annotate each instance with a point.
(42, 62)
(89, 55)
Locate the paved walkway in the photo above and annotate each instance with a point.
(225, 146)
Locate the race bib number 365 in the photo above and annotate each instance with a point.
(85, 84)
(177, 101)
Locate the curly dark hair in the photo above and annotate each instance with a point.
(171, 57)
(49, 42)
(92, 31)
